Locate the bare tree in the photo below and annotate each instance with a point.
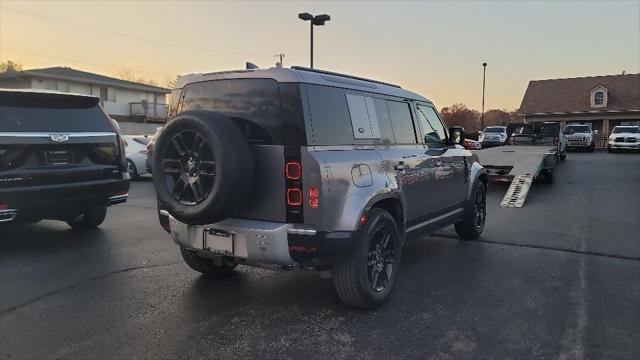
(128, 75)
(10, 66)
(459, 115)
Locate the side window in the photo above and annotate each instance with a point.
(435, 136)
(364, 119)
(402, 123)
(173, 103)
(345, 117)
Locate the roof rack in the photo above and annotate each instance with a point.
(343, 75)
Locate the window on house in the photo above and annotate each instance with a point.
(63, 86)
(599, 98)
(111, 94)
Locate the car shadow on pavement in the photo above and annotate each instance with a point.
(46, 237)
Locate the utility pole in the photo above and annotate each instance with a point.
(279, 63)
(484, 74)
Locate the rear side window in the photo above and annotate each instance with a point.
(403, 130)
(53, 119)
(346, 117)
(173, 103)
(254, 104)
(364, 119)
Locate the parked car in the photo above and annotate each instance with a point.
(312, 169)
(580, 136)
(493, 136)
(624, 138)
(136, 150)
(472, 144)
(61, 158)
(150, 145)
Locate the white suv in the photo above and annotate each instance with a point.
(624, 137)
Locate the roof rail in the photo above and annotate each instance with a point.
(343, 75)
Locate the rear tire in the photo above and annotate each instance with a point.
(205, 265)
(475, 213)
(548, 176)
(366, 277)
(91, 219)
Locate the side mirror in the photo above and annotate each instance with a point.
(456, 135)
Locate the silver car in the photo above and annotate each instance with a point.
(302, 168)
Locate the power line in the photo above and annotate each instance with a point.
(130, 35)
(85, 63)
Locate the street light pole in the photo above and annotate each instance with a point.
(317, 20)
(484, 75)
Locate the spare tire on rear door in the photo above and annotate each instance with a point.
(202, 168)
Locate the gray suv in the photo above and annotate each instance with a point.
(301, 168)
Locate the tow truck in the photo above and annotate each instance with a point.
(533, 151)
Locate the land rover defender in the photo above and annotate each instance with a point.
(303, 168)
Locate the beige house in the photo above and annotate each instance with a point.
(122, 100)
(601, 101)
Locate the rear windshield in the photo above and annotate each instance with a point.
(494, 130)
(53, 119)
(253, 103)
(629, 129)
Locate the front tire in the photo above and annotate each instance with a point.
(205, 265)
(366, 277)
(475, 214)
(131, 169)
(90, 219)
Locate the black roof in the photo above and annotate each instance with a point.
(67, 73)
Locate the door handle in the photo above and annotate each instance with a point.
(399, 165)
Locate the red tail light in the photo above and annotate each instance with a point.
(294, 197)
(293, 170)
(314, 197)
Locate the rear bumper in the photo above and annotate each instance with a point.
(262, 242)
(62, 200)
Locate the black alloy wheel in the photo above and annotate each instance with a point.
(480, 208)
(381, 259)
(189, 167)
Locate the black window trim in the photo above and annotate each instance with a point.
(446, 132)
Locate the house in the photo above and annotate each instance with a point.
(601, 101)
(122, 100)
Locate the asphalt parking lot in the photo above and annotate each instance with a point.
(559, 278)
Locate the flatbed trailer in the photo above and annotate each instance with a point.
(521, 165)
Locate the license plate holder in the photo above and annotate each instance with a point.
(58, 157)
(219, 241)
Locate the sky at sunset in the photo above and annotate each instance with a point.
(433, 48)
